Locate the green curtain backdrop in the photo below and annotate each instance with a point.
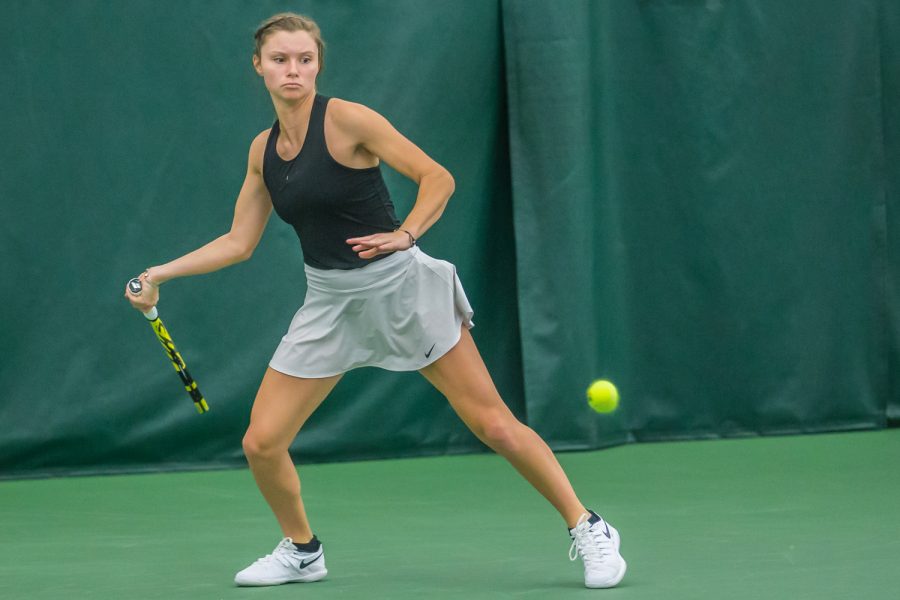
(889, 37)
(126, 128)
(707, 181)
(697, 200)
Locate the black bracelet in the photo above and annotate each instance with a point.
(412, 240)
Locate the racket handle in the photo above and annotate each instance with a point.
(136, 287)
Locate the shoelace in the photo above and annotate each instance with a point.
(282, 553)
(593, 545)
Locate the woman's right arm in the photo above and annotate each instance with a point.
(251, 212)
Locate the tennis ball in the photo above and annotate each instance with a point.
(603, 396)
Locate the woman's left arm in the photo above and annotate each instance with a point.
(378, 137)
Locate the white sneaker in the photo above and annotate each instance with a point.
(598, 543)
(286, 564)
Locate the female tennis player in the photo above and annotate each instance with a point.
(374, 298)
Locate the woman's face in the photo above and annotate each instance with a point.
(288, 63)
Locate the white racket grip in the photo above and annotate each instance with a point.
(152, 314)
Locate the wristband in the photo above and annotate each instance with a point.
(412, 240)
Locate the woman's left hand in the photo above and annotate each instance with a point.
(371, 246)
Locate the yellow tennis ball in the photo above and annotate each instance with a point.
(603, 396)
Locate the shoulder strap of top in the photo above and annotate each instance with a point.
(273, 137)
(316, 133)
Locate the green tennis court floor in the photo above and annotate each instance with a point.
(784, 517)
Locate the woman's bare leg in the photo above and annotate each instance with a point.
(463, 378)
(282, 406)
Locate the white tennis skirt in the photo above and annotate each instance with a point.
(399, 313)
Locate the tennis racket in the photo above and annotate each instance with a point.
(152, 315)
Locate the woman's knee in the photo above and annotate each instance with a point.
(500, 432)
(258, 446)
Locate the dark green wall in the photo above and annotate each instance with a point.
(126, 128)
(712, 179)
(695, 199)
(889, 265)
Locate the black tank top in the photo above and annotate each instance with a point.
(325, 201)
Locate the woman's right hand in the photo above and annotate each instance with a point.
(148, 298)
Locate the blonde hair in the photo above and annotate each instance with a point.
(289, 22)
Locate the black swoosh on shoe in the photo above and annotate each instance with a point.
(304, 564)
